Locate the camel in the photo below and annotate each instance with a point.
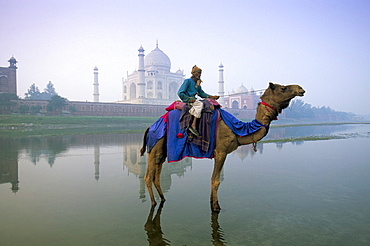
(275, 98)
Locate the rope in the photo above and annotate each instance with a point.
(240, 93)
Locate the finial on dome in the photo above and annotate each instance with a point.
(156, 44)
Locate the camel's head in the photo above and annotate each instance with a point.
(280, 95)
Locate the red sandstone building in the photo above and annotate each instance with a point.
(8, 77)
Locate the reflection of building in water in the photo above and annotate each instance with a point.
(96, 160)
(9, 173)
(279, 145)
(276, 133)
(247, 150)
(9, 164)
(136, 164)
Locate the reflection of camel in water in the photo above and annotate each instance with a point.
(153, 228)
(274, 100)
(156, 236)
(217, 233)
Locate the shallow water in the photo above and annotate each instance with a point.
(89, 190)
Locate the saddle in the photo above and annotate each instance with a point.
(204, 124)
(211, 103)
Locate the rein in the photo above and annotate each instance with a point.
(267, 127)
(271, 107)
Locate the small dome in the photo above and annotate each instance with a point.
(179, 72)
(241, 89)
(12, 60)
(158, 59)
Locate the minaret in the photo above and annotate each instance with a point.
(141, 70)
(221, 91)
(96, 85)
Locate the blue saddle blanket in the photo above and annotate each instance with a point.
(181, 145)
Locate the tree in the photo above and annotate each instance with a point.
(72, 108)
(6, 104)
(299, 110)
(35, 109)
(50, 89)
(24, 109)
(33, 92)
(56, 104)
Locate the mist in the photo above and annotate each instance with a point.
(320, 45)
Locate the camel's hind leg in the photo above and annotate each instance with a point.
(157, 179)
(156, 157)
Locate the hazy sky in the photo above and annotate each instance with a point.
(322, 45)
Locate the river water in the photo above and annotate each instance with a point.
(89, 190)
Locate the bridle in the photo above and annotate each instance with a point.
(268, 107)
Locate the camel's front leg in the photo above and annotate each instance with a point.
(215, 180)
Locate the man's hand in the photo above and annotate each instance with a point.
(192, 100)
(214, 97)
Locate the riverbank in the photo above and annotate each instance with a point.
(28, 125)
(25, 126)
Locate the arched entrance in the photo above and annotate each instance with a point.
(132, 91)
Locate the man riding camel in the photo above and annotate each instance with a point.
(187, 92)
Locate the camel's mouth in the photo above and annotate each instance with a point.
(301, 92)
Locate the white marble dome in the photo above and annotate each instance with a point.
(157, 58)
(241, 89)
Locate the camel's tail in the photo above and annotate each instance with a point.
(143, 148)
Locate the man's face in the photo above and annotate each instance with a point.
(197, 74)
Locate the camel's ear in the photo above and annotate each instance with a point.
(272, 86)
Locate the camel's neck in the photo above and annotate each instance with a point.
(265, 114)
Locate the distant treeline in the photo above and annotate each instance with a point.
(301, 110)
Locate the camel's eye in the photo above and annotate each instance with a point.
(283, 89)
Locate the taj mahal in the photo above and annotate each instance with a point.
(153, 83)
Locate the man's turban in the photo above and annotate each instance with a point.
(195, 69)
